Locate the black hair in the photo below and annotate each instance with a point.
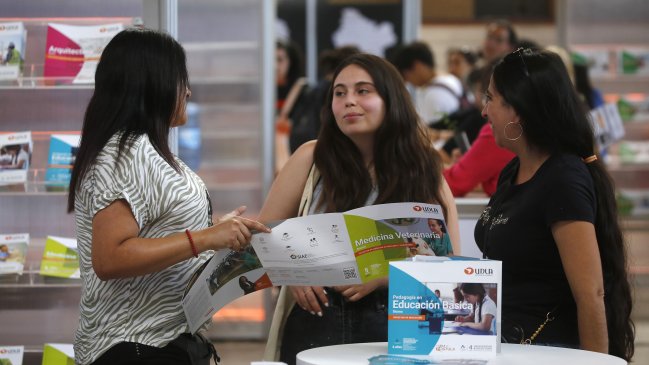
(406, 56)
(583, 85)
(512, 37)
(138, 82)
(295, 59)
(475, 289)
(537, 86)
(469, 56)
(331, 58)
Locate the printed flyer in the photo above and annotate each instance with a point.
(11, 355)
(13, 38)
(351, 247)
(60, 258)
(15, 157)
(13, 252)
(72, 51)
(322, 249)
(607, 125)
(63, 152)
(58, 354)
(444, 307)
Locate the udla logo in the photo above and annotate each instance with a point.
(416, 208)
(468, 270)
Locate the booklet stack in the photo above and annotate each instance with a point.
(58, 354)
(72, 51)
(13, 251)
(11, 355)
(60, 258)
(15, 157)
(61, 157)
(13, 38)
(444, 307)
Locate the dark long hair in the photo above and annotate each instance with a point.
(138, 82)
(295, 59)
(407, 167)
(475, 289)
(537, 86)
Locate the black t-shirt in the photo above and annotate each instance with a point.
(516, 229)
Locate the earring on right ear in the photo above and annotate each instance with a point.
(520, 133)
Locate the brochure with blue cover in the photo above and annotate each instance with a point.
(63, 152)
(443, 307)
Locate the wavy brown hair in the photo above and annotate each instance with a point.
(407, 168)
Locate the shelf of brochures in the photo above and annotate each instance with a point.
(33, 189)
(32, 279)
(36, 309)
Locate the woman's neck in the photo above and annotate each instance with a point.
(530, 162)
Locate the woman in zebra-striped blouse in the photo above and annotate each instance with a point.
(143, 217)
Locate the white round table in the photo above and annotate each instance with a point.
(359, 353)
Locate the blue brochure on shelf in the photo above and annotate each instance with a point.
(63, 151)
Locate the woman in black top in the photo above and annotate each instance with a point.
(553, 220)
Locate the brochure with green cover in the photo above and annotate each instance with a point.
(58, 354)
(60, 258)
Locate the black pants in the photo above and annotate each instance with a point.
(185, 350)
(342, 322)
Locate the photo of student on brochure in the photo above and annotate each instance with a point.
(13, 252)
(458, 308)
(15, 157)
(428, 237)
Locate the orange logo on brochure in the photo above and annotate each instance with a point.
(468, 270)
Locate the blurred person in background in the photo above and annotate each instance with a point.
(500, 40)
(436, 95)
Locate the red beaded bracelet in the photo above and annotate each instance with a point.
(191, 243)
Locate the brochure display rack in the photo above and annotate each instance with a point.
(40, 307)
(611, 42)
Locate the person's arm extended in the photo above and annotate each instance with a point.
(118, 252)
(485, 325)
(577, 244)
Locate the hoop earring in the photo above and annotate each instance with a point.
(519, 134)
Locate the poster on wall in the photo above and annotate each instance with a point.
(72, 51)
(374, 26)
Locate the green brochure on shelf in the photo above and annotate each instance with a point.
(58, 354)
(60, 258)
